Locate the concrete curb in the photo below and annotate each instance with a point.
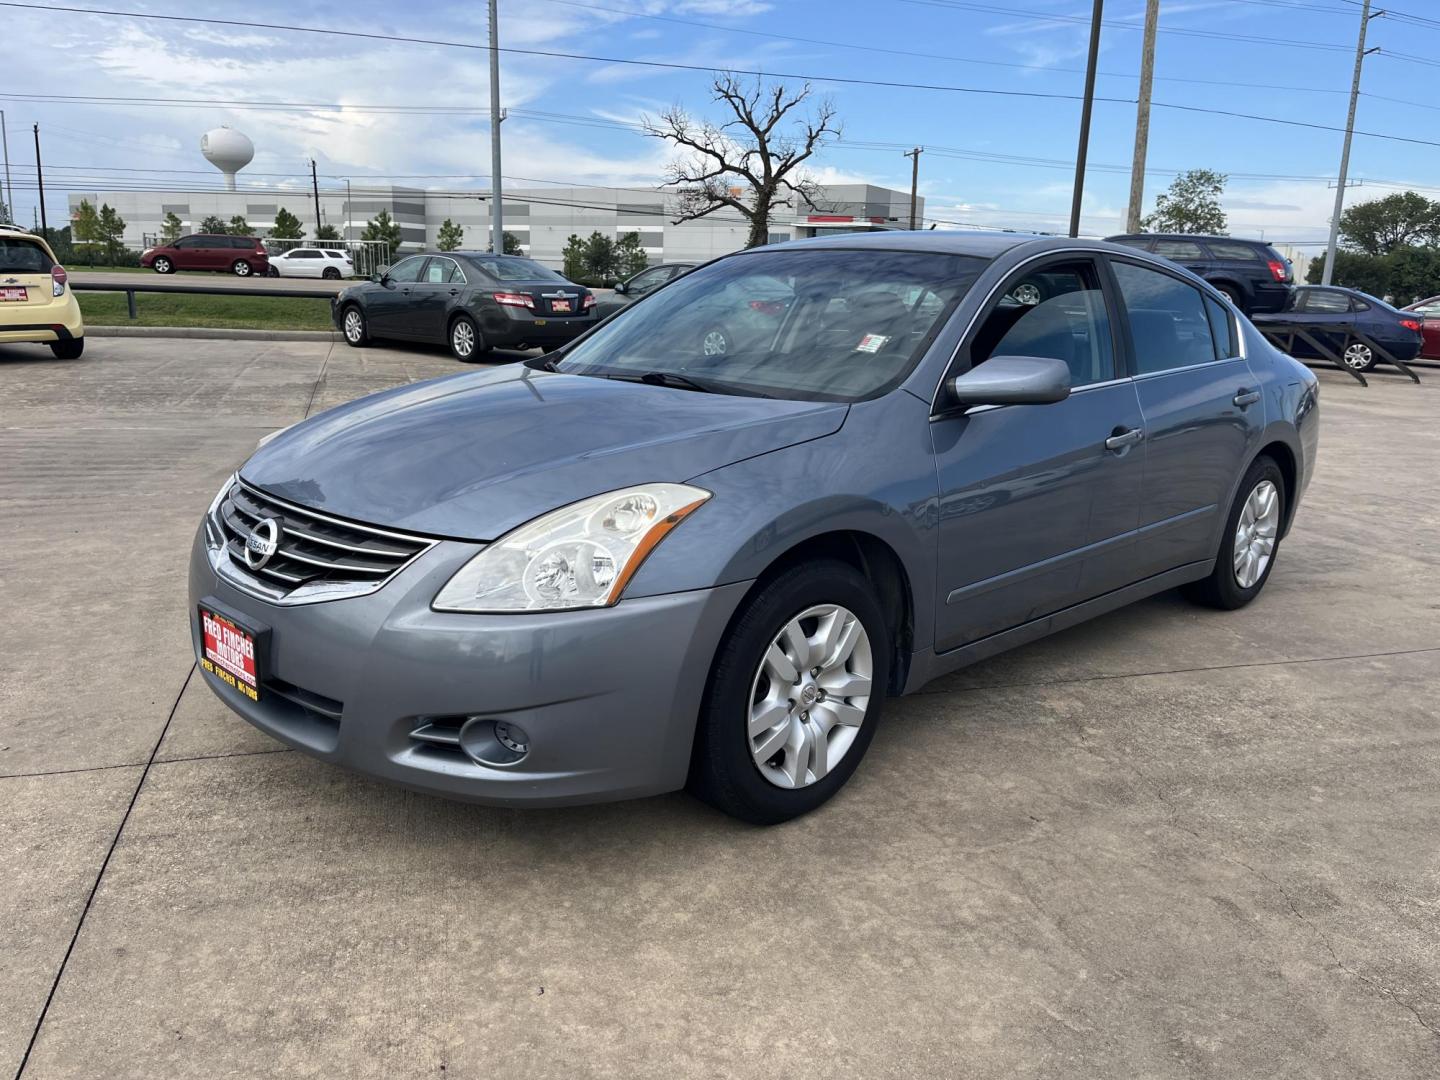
(211, 333)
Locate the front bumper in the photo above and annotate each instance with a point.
(608, 697)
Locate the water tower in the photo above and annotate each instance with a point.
(228, 150)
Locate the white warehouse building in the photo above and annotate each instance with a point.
(542, 219)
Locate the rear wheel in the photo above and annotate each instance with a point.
(1234, 295)
(163, 265)
(1251, 540)
(1359, 357)
(465, 340)
(352, 325)
(68, 350)
(715, 341)
(240, 268)
(330, 273)
(794, 695)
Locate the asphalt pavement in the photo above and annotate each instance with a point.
(1170, 843)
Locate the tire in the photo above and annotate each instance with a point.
(240, 268)
(1028, 293)
(354, 328)
(162, 265)
(1227, 587)
(330, 273)
(1235, 296)
(464, 340)
(1359, 357)
(68, 350)
(714, 341)
(726, 770)
(272, 272)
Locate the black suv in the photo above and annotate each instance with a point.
(1251, 273)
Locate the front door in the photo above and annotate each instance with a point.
(388, 305)
(1203, 412)
(1036, 500)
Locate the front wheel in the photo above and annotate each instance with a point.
(794, 695)
(68, 350)
(352, 325)
(163, 265)
(715, 341)
(1252, 537)
(1359, 357)
(465, 340)
(240, 268)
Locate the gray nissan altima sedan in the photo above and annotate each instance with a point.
(641, 563)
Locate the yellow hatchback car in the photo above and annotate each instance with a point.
(36, 302)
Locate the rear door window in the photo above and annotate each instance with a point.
(1232, 252)
(1169, 327)
(1179, 250)
(1323, 302)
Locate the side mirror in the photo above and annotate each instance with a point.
(621, 288)
(1012, 380)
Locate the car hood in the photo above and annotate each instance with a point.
(474, 455)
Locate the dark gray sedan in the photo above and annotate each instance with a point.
(641, 564)
(641, 284)
(472, 301)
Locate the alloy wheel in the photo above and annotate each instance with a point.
(715, 343)
(1359, 357)
(809, 696)
(242, 269)
(462, 338)
(354, 326)
(1027, 292)
(162, 266)
(1256, 533)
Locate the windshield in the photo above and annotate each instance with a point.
(824, 324)
(23, 257)
(513, 268)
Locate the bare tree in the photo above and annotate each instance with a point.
(752, 150)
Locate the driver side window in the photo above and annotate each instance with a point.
(1056, 312)
(408, 270)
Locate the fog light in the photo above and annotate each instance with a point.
(494, 742)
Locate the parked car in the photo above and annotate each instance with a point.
(1252, 274)
(239, 255)
(641, 284)
(473, 301)
(637, 564)
(1429, 312)
(1328, 312)
(312, 262)
(36, 303)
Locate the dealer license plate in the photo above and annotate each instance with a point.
(227, 651)
(559, 305)
(20, 294)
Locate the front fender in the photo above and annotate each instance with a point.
(875, 476)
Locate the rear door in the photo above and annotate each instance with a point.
(215, 253)
(26, 288)
(1327, 314)
(438, 287)
(1203, 412)
(190, 253)
(304, 262)
(1035, 508)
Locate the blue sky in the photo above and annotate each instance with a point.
(570, 116)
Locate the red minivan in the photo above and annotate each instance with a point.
(240, 255)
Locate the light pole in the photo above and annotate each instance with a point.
(9, 190)
(1085, 109)
(497, 214)
(1325, 275)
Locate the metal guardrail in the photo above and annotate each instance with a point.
(1282, 333)
(202, 290)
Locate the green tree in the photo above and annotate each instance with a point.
(630, 257)
(599, 258)
(171, 228)
(450, 236)
(287, 226)
(112, 233)
(1192, 205)
(239, 226)
(212, 224)
(382, 228)
(1354, 270)
(1414, 273)
(327, 232)
(85, 228)
(1380, 226)
(510, 244)
(5, 213)
(573, 258)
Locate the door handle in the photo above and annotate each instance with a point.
(1122, 439)
(1246, 398)
(454, 292)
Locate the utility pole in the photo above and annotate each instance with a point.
(1365, 18)
(1085, 110)
(1142, 118)
(9, 188)
(497, 213)
(347, 209)
(914, 156)
(315, 188)
(40, 183)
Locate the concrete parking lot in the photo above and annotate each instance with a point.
(1171, 843)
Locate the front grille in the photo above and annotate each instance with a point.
(316, 552)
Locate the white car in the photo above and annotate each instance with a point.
(312, 262)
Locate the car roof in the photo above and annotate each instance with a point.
(1189, 236)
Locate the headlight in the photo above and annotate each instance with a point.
(579, 556)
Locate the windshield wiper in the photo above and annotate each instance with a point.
(687, 382)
